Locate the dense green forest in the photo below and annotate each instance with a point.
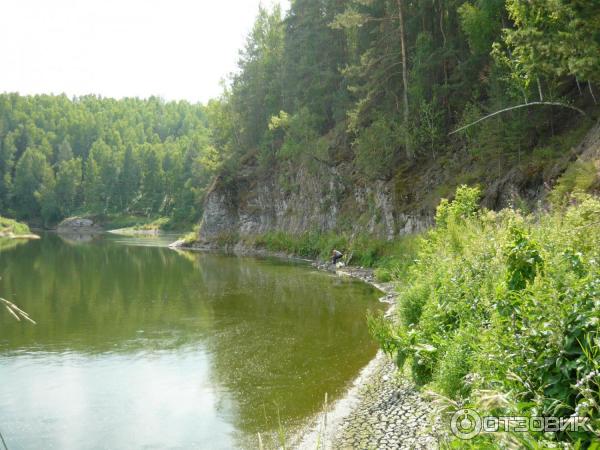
(376, 83)
(100, 156)
(383, 83)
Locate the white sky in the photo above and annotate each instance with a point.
(176, 49)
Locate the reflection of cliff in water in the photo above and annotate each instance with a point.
(277, 336)
(306, 330)
(78, 238)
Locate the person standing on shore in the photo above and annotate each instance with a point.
(336, 256)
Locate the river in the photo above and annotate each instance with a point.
(139, 346)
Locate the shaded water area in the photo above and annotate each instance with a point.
(139, 346)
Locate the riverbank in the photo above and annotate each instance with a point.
(135, 232)
(388, 259)
(126, 225)
(11, 229)
(382, 409)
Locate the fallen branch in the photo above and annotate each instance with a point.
(524, 105)
(16, 312)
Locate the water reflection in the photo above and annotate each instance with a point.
(139, 346)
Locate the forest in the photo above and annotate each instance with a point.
(497, 308)
(379, 84)
(384, 84)
(61, 156)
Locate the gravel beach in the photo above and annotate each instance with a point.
(382, 410)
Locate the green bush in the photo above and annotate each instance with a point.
(383, 275)
(579, 177)
(507, 304)
(12, 226)
(391, 257)
(463, 207)
(455, 365)
(411, 305)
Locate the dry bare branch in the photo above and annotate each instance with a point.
(16, 312)
(524, 105)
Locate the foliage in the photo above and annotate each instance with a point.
(554, 38)
(481, 22)
(581, 176)
(523, 259)
(192, 236)
(60, 157)
(505, 305)
(328, 83)
(464, 206)
(377, 148)
(12, 226)
(158, 224)
(391, 258)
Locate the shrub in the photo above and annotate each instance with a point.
(12, 226)
(579, 177)
(383, 275)
(411, 303)
(505, 303)
(465, 205)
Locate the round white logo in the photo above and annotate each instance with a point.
(465, 424)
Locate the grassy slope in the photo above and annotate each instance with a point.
(9, 226)
(501, 312)
(135, 223)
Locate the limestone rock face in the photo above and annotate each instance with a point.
(78, 225)
(317, 200)
(296, 199)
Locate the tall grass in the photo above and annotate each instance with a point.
(507, 305)
(391, 257)
(12, 226)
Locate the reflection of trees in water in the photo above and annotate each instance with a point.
(89, 297)
(278, 337)
(302, 336)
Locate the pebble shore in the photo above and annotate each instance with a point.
(391, 414)
(383, 410)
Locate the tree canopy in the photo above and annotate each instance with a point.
(379, 84)
(59, 156)
(383, 83)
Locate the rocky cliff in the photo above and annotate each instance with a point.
(322, 197)
(319, 200)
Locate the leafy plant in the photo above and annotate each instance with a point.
(530, 337)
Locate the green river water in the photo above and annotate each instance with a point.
(139, 346)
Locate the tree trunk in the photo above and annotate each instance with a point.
(592, 92)
(404, 72)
